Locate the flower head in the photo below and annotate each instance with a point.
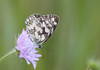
(27, 49)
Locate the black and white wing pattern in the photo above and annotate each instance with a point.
(40, 27)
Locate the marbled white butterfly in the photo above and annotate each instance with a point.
(40, 27)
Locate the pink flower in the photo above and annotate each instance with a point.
(27, 49)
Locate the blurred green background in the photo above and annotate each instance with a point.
(75, 41)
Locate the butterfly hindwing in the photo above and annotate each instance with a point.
(40, 27)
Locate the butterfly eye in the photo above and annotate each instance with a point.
(40, 46)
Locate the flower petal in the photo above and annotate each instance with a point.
(27, 49)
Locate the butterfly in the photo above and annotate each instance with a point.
(40, 27)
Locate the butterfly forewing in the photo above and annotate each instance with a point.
(40, 27)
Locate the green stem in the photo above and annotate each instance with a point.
(9, 53)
